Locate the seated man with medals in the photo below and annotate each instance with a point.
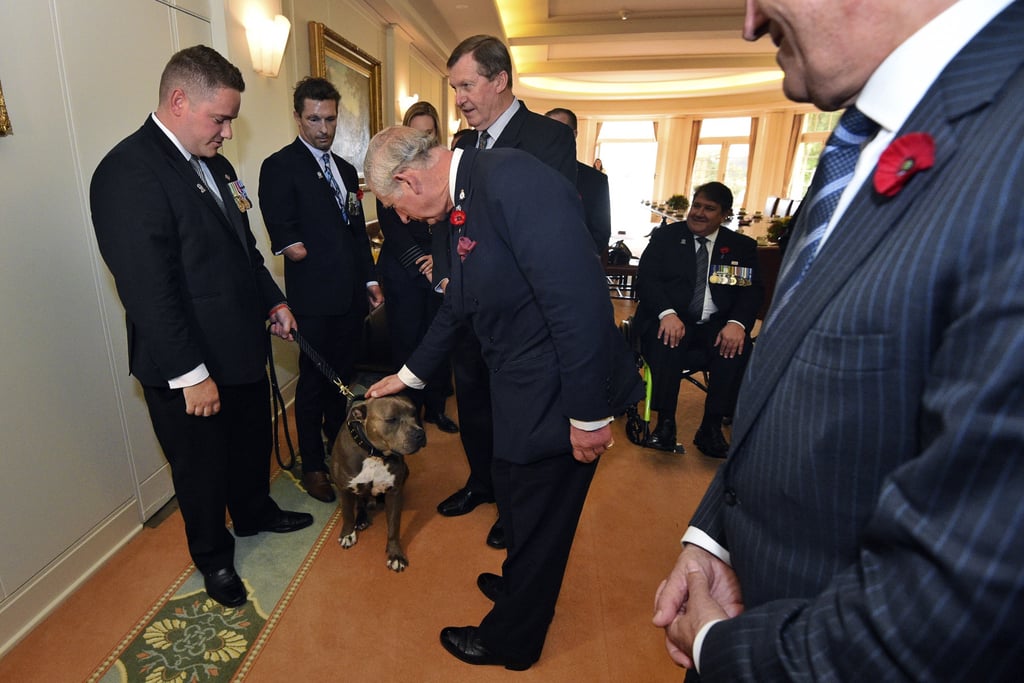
(699, 293)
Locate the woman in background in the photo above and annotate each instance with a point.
(405, 267)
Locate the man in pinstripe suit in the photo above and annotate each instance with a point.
(869, 521)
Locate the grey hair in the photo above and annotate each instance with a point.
(392, 151)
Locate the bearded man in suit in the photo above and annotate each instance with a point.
(526, 280)
(480, 73)
(312, 206)
(171, 223)
(867, 523)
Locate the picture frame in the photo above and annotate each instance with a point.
(357, 76)
(5, 120)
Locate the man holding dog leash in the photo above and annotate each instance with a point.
(170, 222)
(524, 277)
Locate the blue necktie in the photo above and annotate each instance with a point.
(334, 185)
(835, 170)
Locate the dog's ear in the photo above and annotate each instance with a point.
(358, 411)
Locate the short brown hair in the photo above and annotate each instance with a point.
(199, 71)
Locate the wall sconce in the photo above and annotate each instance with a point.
(267, 39)
(406, 101)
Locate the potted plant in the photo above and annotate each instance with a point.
(678, 203)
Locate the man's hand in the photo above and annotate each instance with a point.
(671, 330)
(203, 399)
(587, 446)
(730, 340)
(282, 322)
(699, 589)
(426, 266)
(295, 252)
(375, 295)
(386, 387)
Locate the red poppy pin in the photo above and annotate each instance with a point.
(359, 195)
(904, 157)
(457, 217)
(723, 251)
(465, 244)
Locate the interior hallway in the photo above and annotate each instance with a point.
(351, 618)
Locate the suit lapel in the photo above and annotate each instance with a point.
(968, 84)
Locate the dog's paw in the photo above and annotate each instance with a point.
(397, 563)
(347, 540)
(363, 523)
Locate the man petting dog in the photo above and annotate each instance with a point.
(525, 278)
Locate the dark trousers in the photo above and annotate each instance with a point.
(540, 505)
(319, 406)
(476, 421)
(217, 462)
(696, 351)
(410, 310)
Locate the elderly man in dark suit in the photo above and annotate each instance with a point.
(312, 206)
(700, 288)
(480, 73)
(593, 189)
(171, 223)
(526, 280)
(867, 523)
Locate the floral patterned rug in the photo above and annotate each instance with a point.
(186, 637)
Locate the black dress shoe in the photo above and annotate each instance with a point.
(225, 587)
(461, 502)
(664, 436)
(491, 585)
(443, 422)
(464, 643)
(285, 522)
(496, 536)
(710, 441)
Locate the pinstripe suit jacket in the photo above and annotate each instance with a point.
(873, 501)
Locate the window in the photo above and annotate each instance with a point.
(723, 153)
(629, 153)
(813, 134)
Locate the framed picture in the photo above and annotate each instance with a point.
(5, 120)
(357, 77)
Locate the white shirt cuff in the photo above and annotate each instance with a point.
(278, 253)
(590, 426)
(696, 537)
(667, 311)
(409, 379)
(190, 378)
(698, 642)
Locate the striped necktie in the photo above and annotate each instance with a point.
(481, 142)
(334, 185)
(835, 170)
(697, 301)
(198, 167)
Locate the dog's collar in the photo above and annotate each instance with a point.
(355, 428)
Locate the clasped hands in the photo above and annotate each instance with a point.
(701, 588)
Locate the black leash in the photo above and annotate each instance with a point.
(278, 399)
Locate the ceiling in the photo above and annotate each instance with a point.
(612, 56)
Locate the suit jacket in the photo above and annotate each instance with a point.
(597, 208)
(537, 300)
(666, 277)
(546, 139)
(873, 498)
(298, 205)
(192, 282)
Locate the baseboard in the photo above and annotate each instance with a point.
(34, 601)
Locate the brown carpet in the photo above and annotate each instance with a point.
(349, 618)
